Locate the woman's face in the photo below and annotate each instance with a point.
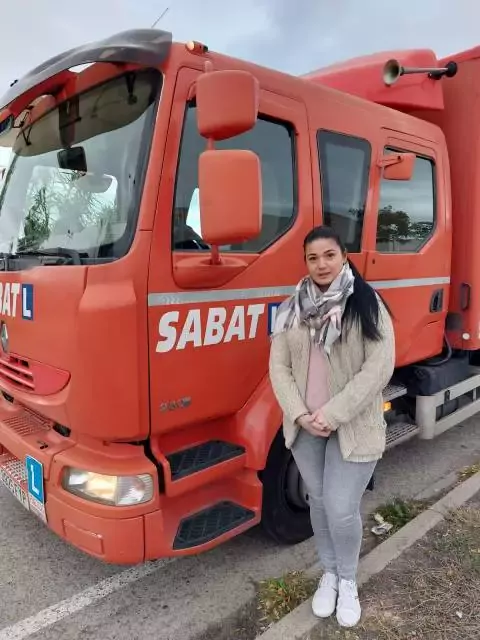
(324, 260)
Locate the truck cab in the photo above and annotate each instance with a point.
(151, 222)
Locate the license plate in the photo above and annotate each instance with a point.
(25, 482)
(14, 477)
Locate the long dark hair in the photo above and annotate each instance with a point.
(362, 306)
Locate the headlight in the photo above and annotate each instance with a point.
(119, 491)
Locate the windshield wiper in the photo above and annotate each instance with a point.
(75, 257)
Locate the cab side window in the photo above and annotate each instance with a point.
(273, 142)
(406, 213)
(344, 172)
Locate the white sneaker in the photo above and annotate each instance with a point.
(325, 598)
(349, 611)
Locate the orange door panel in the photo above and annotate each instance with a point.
(209, 336)
(409, 248)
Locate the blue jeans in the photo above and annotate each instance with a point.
(335, 489)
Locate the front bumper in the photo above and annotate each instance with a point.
(128, 534)
(112, 534)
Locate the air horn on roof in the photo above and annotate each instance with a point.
(393, 70)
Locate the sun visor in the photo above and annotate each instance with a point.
(146, 47)
(44, 135)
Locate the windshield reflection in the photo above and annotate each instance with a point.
(75, 178)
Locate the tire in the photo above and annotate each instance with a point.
(284, 517)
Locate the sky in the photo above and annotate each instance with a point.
(293, 37)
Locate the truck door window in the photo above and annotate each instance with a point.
(344, 167)
(273, 142)
(406, 212)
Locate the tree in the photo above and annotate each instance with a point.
(36, 228)
(55, 199)
(393, 225)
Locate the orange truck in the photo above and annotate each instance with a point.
(151, 221)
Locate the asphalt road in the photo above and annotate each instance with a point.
(50, 591)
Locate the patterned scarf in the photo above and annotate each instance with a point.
(321, 311)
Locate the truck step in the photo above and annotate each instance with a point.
(400, 432)
(202, 456)
(211, 523)
(393, 391)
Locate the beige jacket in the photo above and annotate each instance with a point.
(358, 373)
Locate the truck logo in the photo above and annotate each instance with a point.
(13, 294)
(173, 405)
(213, 326)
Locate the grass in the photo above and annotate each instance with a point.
(279, 596)
(274, 598)
(432, 592)
(399, 512)
(468, 472)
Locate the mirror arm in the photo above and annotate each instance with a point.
(215, 258)
(390, 160)
(215, 255)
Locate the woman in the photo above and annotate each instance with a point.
(332, 355)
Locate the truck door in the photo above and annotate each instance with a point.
(209, 325)
(408, 241)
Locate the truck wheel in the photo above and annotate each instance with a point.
(285, 511)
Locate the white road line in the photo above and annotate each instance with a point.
(51, 615)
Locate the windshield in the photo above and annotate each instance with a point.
(75, 177)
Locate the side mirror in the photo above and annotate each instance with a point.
(398, 166)
(230, 186)
(227, 103)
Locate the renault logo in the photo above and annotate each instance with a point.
(4, 337)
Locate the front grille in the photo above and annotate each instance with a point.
(27, 423)
(16, 372)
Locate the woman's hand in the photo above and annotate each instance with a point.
(310, 424)
(320, 424)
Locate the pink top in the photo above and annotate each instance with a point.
(317, 382)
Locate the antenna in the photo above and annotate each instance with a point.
(159, 18)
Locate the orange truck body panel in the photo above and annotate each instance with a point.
(101, 367)
(461, 127)
(451, 105)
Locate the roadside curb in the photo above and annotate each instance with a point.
(301, 620)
